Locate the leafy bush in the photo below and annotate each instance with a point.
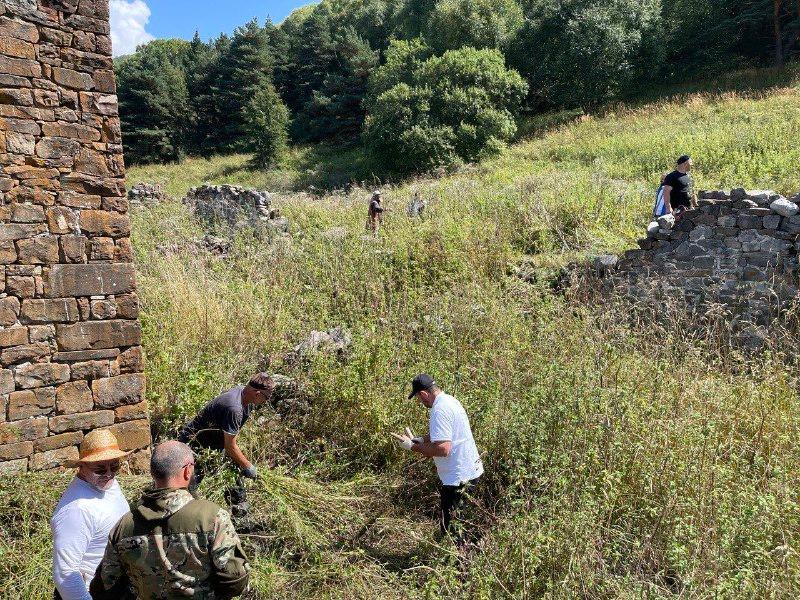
(443, 109)
(476, 23)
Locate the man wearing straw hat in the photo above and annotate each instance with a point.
(91, 505)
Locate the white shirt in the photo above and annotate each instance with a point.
(81, 523)
(449, 422)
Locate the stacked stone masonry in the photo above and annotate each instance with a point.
(70, 339)
(738, 250)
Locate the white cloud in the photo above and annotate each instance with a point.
(128, 21)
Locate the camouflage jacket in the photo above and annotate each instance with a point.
(172, 546)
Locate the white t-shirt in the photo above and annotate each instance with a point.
(449, 422)
(81, 523)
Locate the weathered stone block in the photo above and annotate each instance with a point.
(52, 459)
(103, 309)
(85, 355)
(9, 310)
(13, 336)
(24, 353)
(98, 334)
(62, 440)
(89, 280)
(27, 213)
(102, 248)
(132, 412)
(81, 421)
(15, 451)
(8, 251)
(6, 381)
(94, 369)
(73, 79)
(43, 333)
(127, 306)
(56, 310)
(74, 397)
(23, 431)
(27, 403)
(20, 30)
(35, 375)
(132, 360)
(104, 223)
(73, 248)
(21, 287)
(118, 391)
(132, 435)
(62, 220)
(38, 251)
(22, 67)
(20, 231)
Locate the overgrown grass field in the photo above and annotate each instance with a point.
(623, 460)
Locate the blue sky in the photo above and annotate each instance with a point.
(135, 22)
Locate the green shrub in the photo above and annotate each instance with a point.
(438, 111)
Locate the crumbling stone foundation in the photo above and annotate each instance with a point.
(738, 250)
(70, 354)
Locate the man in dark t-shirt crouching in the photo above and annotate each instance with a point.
(679, 186)
(217, 427)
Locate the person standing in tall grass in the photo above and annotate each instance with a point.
(86, 513)
(450, 444)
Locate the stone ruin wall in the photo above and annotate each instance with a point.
(738, 249)
(70, 353)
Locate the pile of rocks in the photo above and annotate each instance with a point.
(738, 248)
(146, 195)
(335, 341)
(235, 207)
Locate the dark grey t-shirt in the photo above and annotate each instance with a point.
(225, 413)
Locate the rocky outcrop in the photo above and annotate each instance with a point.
(738, 249)
(70, 353)
(235, 207)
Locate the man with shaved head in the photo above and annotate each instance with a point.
(172, 545)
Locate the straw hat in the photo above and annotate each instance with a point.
(98, 445)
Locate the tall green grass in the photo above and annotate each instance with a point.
(623, 460)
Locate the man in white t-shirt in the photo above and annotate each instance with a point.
(88, 510)
(449, 443)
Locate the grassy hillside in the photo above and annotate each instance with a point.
(622, 460)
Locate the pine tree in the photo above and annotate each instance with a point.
(154, 102)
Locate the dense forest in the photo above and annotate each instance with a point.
(427, 83)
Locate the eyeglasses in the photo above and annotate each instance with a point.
(189, 464)
(101, 469)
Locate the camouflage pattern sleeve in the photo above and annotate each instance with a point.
(231, 570)
(110, 580)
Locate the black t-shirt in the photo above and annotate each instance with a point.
(681, 184)
(225, 413)
(375, 207)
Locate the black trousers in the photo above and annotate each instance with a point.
(210, 440)
(452, 499)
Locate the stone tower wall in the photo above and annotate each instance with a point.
(70, 354)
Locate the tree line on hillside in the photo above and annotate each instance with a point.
(426, 83)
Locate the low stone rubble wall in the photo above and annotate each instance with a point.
(234, 207)
(70, 354)
(738, 249)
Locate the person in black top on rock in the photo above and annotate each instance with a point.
(218, 425)
(679, 187)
